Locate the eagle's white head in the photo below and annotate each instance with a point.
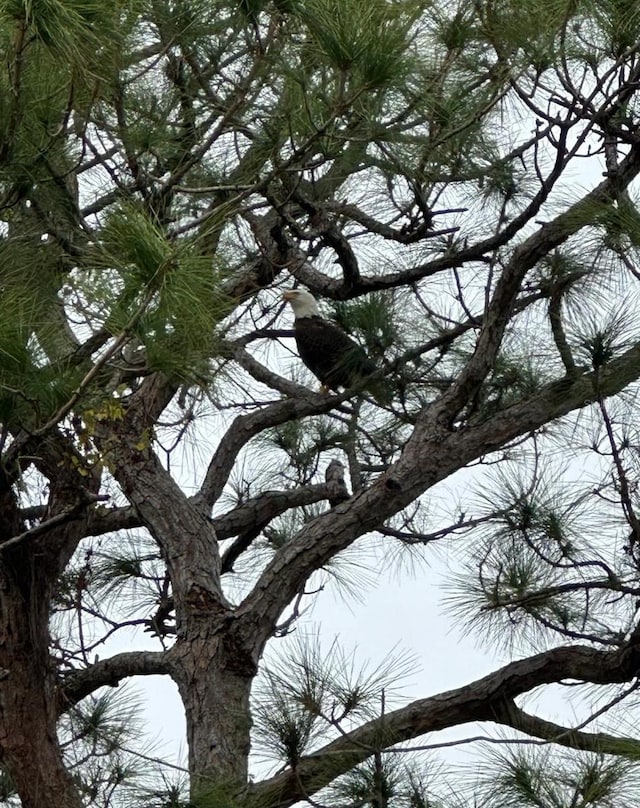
(303, 303)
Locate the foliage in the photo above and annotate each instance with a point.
(456, 183)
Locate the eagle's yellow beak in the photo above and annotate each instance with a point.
(290, 294)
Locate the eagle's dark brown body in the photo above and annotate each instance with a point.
(330, 354)
(325, 349)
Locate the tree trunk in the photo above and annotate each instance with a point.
(214, 679)
(29, 749)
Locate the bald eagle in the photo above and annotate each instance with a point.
(325, 349)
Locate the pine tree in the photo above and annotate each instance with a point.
(455, 182)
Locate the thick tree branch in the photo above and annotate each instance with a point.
(69, 514)
(109, 672)
(511, 715)
(482, 700)
(263, 374)
(183, 532)
(433, 452)
(249, 519)
(524, 258)
(103, 520)
(245, 427)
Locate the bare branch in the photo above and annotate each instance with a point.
(431, 454)
(511, 715)
(108, 520)
(245, 427)
(524, 257)
(110, 672)
(481, 700)
(249, 519)
(69, 514)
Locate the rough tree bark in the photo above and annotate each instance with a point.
(30, 754)
(32, 561)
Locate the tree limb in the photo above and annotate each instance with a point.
(511, 715)
(109, 672)
(432, 453)
(524, 258)
(103, 520)
(245, 427)
(249, 519)
(481, 700)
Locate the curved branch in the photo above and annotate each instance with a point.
(109, 672)
(432, 453)
(245, 427)
(262, 373)
(512, 716)
(103, 520)
(481, 700)
(191, 552)
(248, 520)
(525, 257)
(71, 513)
(550, 235)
